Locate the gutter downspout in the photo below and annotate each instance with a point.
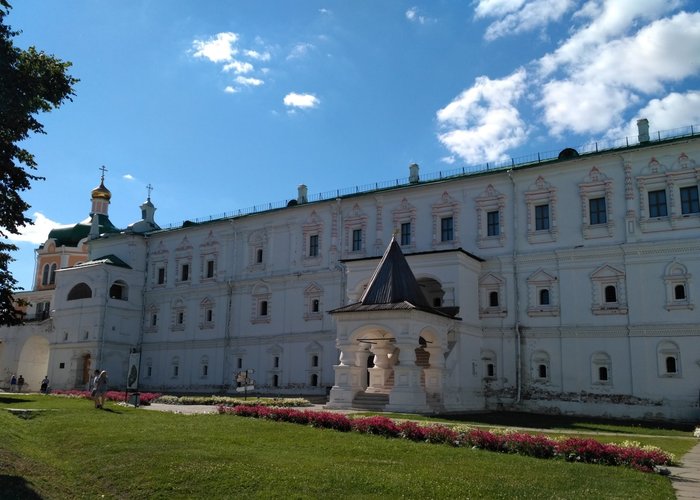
(518, 360)
(229, 312)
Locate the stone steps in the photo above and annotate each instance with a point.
(370, 401)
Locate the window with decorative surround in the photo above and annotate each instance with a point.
(492, 303)
(609, 291)
(677, 281)
(543, 294)
(601, 369)
(312, 302)
(446, 222)
(668, 196)
(257, 243)
(175, 367)
(596, 193)
(261, 310)
(355, 226)
(178, 316)
(183, 262)
(668, 359)
(488, 362)
(404, 221)
(541, 202)
(151, 320)
(312, 240)
(490, 211)
(206, 314)
(204, 367)
(540, 367)
(209, 253)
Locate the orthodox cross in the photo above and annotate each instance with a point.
(149, 188)
(104, 169)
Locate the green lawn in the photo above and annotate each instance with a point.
(74, 451)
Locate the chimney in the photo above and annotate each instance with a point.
(643, 129)
(413, 177)
(301, 194)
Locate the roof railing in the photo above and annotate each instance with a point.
(604, 145)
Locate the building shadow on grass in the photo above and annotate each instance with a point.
(6, 400)
(16, 487)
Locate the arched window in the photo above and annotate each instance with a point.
(671, 364)
(275, 380)
(544, 297)
(263, 308)
(52, 274)
(542, 370)
(80, 291)
(314, 360)
(118, 290)
(669, 359)
(45, 275)
(603, 373)
(610, 294)
(679, 292)
(314, 380)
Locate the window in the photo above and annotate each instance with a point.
(314, 380)
(261, 305)
(263, 308)
(205, 370)
(657, 203)
(209, 316)
(312, 302)
(204, 366)
(405, 234)
(178, 317)
(275, 380)
(118, 290)
(160, 272)
(540, 366)
(176, 371)
(313, 245)
(610, 294)
(206, 314)
(437, 302)
(315, 305)
(154, 319)
(542, 218)
(490, 206)
(80, 291)
(669, 359)
(596, 205)
(446, 222)
(185, 272)
(488, 360)
(314, 361)
(45, 275)
(601, 369)
(446, 229)
(259, 256)
(492, 303)
(544, 297)
(356, 240)
(608, 291)
(598, 214)
(210, 269)
(493, 223)
(239, 363)
(689, 200)
(149, 371)
(52, 271)
(175, 363)
(490, 370)
(276, 362)
(677, 282)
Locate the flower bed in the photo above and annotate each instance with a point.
(145, 398)
(232, 401)
(573, 449)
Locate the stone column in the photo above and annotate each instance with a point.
(381, 371)
(348, 378)
(435, 374)
(407, 393)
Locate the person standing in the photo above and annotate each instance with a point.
(92, 386)
(13, 383)
(45, 385)
(20, 383)
(101, 389)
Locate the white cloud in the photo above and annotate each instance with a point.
(258, 56)
(304, 101)
(413, 15)
(582, 107)
(482, 123)
(527, 17)
(38, 232)
(219, 48)
(496, 8)
(249, 82)
(609, 19)
(230, 90)
(673, 111)
(128, 177)
(300, 50)
(238, 67)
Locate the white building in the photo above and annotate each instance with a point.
(563, 285)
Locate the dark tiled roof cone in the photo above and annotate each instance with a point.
(393, 281)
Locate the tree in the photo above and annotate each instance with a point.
(31, 82)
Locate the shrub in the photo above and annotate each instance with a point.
(233, 401)
(145, 398)
(381, 426)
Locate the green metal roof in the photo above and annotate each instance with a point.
(70, 236)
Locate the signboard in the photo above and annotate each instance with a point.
(245, 388)
(132, 379)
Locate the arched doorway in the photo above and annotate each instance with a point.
(33, 362)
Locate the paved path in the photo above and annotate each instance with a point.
(685, 477)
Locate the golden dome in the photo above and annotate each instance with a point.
(101, 192)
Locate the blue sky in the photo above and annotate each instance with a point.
(222, 105)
